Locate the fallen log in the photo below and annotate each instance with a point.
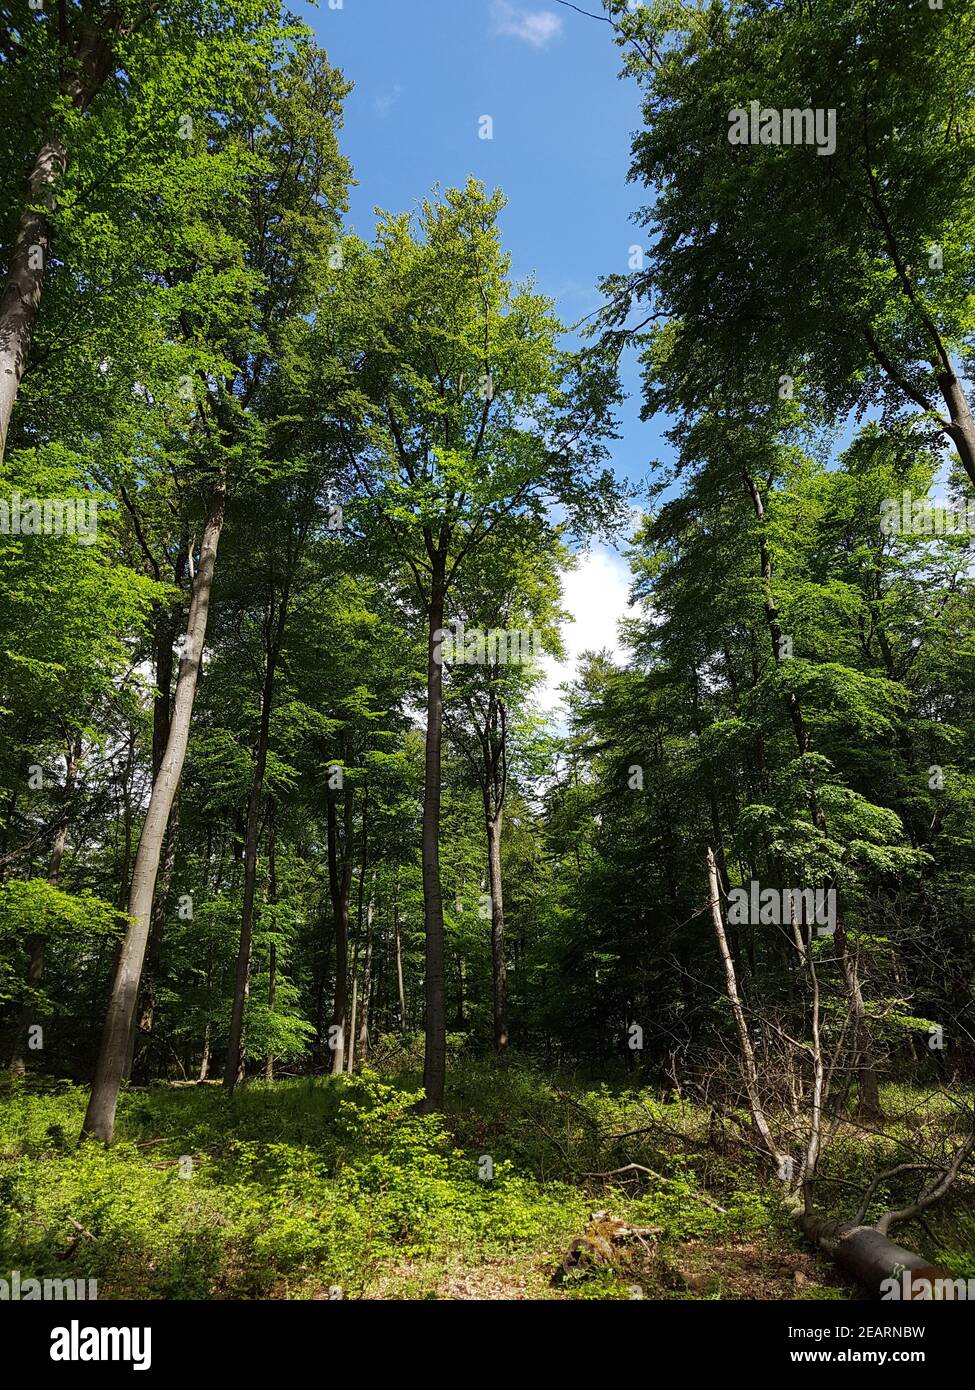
(882, 1268)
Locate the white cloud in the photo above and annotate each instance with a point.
(536, 27)
(596, 595)
(384, 102)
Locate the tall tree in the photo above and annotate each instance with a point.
(271, 248)
(465, 417)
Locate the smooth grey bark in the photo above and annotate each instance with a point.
(150, 974)
(863, 1253)
(398, 944)
(745, 1048)
(362, 1038)
(162, 709)
(118, 1036)
(435, 1051)
(205, 1057)
(339, 886)
(961, 427)
(350, 1050)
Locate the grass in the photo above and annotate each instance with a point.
(303, 1188)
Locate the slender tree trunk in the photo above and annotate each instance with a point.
(125, 865)
(498, 968)
(868, 1086)
(235, 1044)
(150, 978)
(35, 967)
(205, 1058)
(399, 966)
(741, 1027)
(114, 1057)
(162, 711)
(435, 1051)
(272, 897)
(362, 1044)
(339, 885)
(350, 1052)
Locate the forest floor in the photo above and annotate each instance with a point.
(311, 1188)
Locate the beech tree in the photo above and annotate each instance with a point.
(275, 250)
(472, 418)
(849, 275)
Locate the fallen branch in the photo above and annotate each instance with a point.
(660, 1177)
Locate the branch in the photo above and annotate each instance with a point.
(640, 1168)
(934, 1193)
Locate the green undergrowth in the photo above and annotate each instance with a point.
(304, 1188)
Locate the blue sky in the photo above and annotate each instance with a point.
(425, 71)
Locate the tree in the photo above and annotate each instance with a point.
(464, 418)
(847, 274)
(272, 250)
(104, 78)
(506, 614)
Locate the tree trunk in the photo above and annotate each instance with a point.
(339, 884)
(435, 1051)
(399, 966)
(85, 68)
(362, 1043)
(961, 429)
(866, 1255)
(350, 1053)
(150, 978)
(35, 968)
(272, 970)
(162, 712)
(205, 1059)
(115, 1054)
(868, 1086)
(235, 1044)
(21, 300)
(745, 1048)
(499, 973)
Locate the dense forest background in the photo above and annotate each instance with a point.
(492, 1002)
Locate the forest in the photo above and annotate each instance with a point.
(335, 961)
